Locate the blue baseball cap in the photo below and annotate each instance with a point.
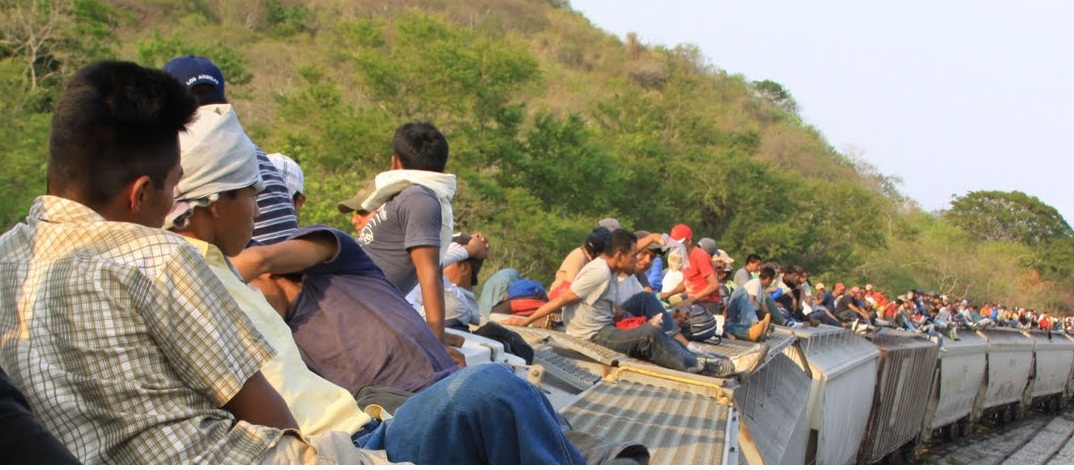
(194, 70)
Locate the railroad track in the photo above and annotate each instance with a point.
(1064, 446)
(1038, 440)
(1024, 441)
(1040, 447)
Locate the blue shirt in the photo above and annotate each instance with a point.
(655, 274)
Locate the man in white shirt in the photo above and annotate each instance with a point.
(746, 301)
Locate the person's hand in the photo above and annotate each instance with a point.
(453, 339)
(457, 356)
(478, 248)
(657, 320)
(513, 321)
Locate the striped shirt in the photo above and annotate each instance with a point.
(277, 220)
(124, 341)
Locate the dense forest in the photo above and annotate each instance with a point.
(553, 124)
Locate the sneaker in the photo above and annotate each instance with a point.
(813, 322)
(749, 361)
(716, 367)
(767, 320)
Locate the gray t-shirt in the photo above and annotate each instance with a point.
(411, 219)
(598, 290)
(629, 286)
(742, 276)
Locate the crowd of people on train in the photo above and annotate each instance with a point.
(162, 304)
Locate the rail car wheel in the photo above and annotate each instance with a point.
(1017, 412)
(950, 432)
(1005, 415)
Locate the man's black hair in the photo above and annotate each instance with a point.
(753, 258)
(420, 146)
(768, 273)
(475, 263)
(595, 242)
(620, 242)
(114, 122)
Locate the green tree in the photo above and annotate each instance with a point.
(1008, 216)
(776, 95)
(52, 39)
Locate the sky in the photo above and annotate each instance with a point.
(951, 96)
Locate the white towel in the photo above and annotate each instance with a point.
(390, 183)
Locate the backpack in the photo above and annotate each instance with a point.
(526, 288)
(699, 325)
(523, 297)
(520, 307)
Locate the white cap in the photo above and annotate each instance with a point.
(291, 173)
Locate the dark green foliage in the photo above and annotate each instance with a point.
(158, 50)
(1008, 216)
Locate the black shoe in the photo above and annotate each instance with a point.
(512, 342)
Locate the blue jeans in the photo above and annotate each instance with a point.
(478, 415)
(741, 314)
(776, 310)
(650, 343)
(930, 330)
(821, 314)
(645, 304)
(493, 290)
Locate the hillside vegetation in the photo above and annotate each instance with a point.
(553, 124)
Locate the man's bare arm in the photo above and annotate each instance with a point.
(711, 287)
(430, 277)
(258, 403)
(566, 298)
(285, 257)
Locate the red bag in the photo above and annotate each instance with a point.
(630, 323)
(522, 307)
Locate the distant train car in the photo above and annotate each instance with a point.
(957, 380)
(1010, 365)
(904, 374)
(1053, 355)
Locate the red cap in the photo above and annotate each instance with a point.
(681, 232)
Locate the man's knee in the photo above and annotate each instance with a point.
(649, 331)
(484, 381)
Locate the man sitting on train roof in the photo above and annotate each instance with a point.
(698, 278)
(591, 311)
(577, 258)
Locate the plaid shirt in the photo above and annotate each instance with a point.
(124, 341)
